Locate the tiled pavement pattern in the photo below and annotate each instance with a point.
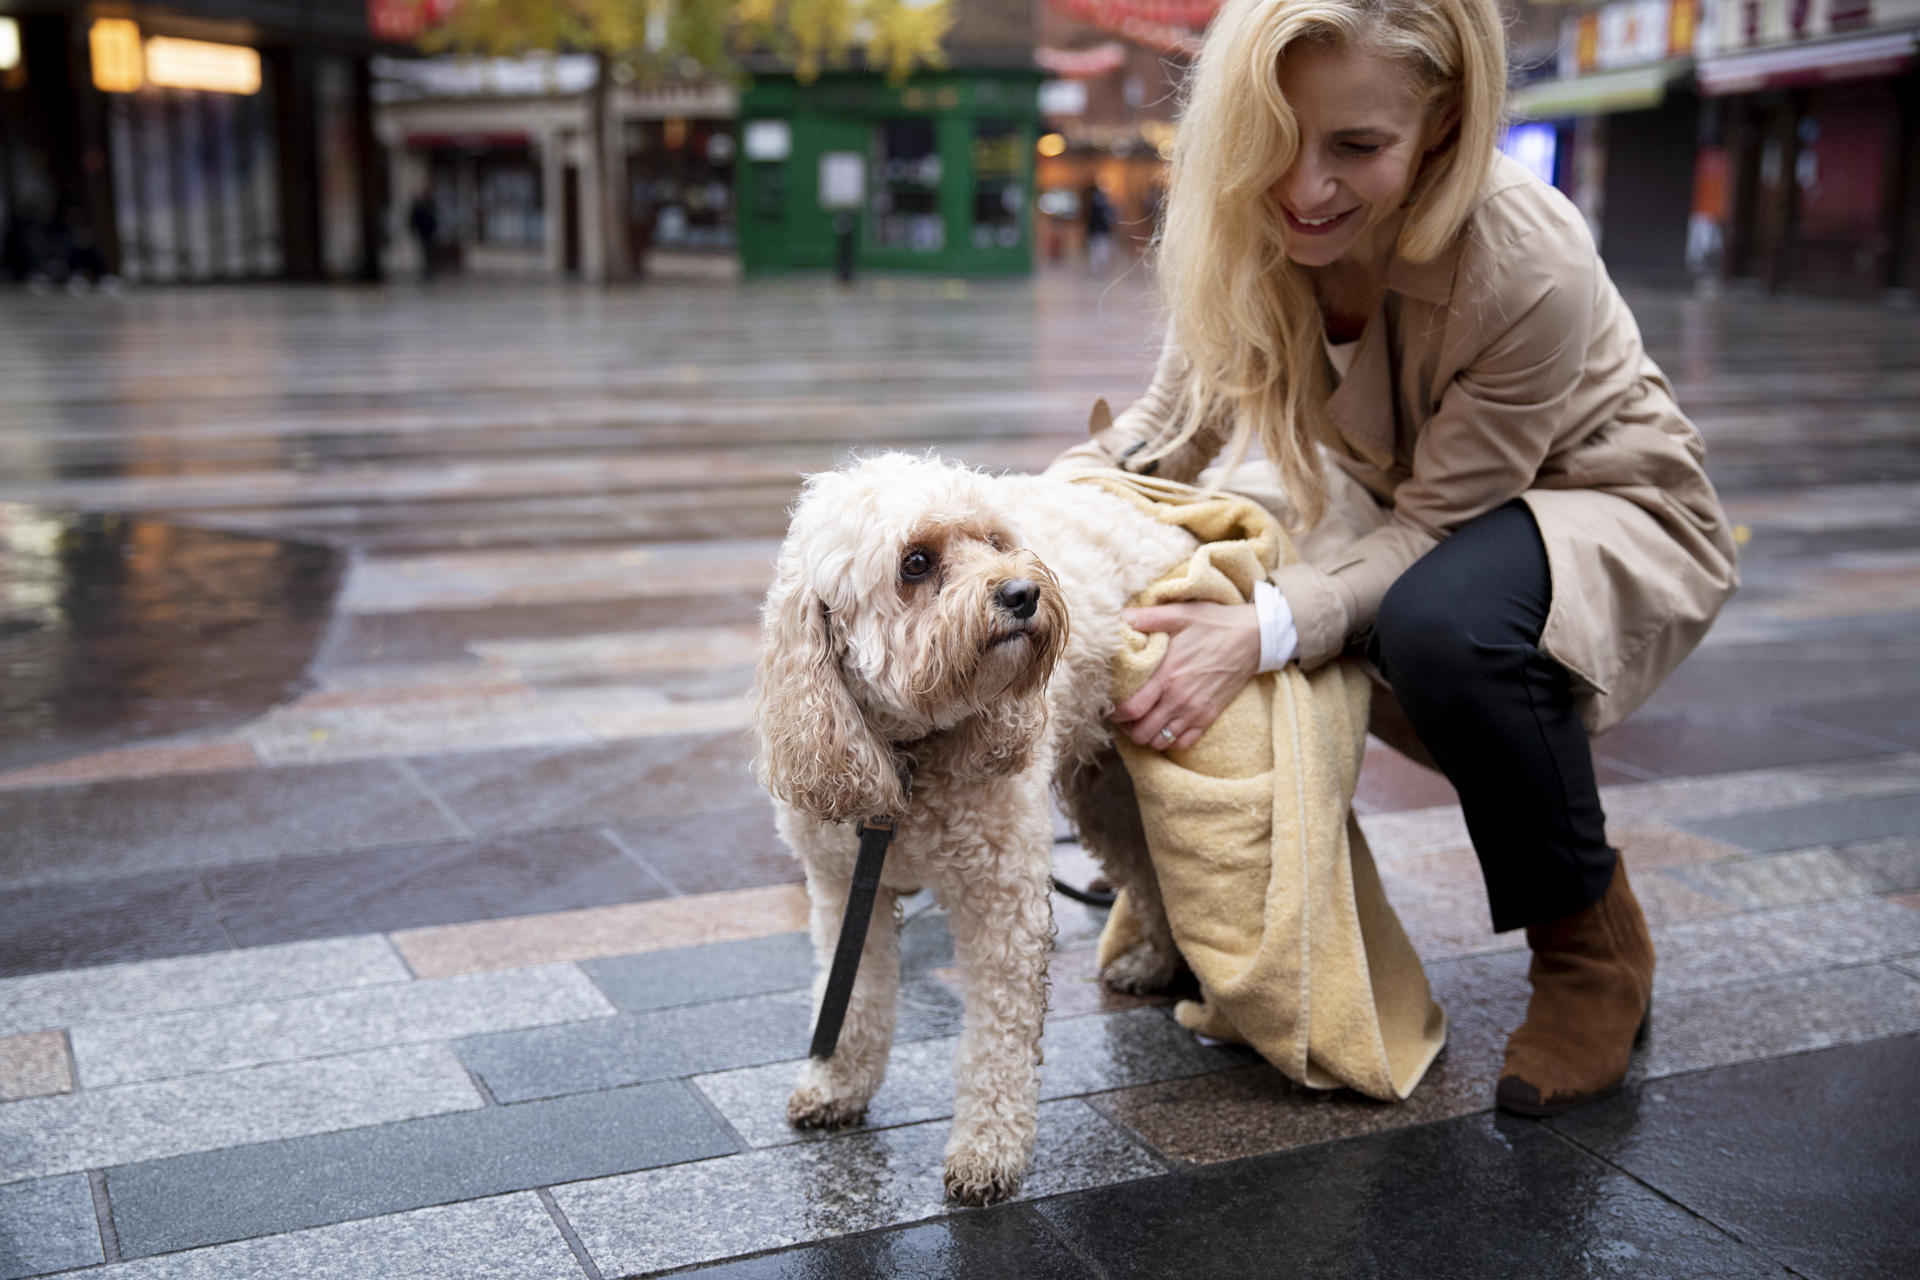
(382, 893)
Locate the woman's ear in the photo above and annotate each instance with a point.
(813, 747)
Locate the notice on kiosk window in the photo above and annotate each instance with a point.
(843, 180)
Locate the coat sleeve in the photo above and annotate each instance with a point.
(1497, 421)
(1141, 428)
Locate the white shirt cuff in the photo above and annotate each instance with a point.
(1279, 640)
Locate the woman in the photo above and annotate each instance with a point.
(1503, 508)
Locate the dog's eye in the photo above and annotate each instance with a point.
(917, 564)
(998, 541)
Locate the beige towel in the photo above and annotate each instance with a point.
(1269, 884)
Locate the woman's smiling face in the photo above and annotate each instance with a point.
(1363, 132)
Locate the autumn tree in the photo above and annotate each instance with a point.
(647, 41)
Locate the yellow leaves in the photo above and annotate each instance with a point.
(904, 34)
(895, 35)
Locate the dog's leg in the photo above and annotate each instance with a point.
(1099, 798)
(1002, 932)
(835, 1093)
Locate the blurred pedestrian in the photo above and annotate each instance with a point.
(424, 221)
(1501, 506)
(1098, 212)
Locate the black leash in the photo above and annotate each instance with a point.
(875, 835)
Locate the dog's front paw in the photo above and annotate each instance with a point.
(1142, 970)
(978, 1180)
(809, 1107)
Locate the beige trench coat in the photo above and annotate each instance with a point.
(1506, 367)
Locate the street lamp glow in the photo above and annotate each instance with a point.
(114, 46)
(1050, 144)
(9, 44)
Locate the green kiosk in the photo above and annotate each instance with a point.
(851, 173)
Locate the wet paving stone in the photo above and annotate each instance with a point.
(1013, 1241)
(1809, 1159)
(1455, 1200)
(115, 628)
(712, 851)
(1728, 741)
(266, 1188)
(665, 1218)
(442, 635)
(131, 918)
(47, 1224)
(532, 788)
(415, 885)
(1849, 821)
(66, 835)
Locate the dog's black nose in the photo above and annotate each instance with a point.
(1020, 597)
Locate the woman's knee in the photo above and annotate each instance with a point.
(1420, 637)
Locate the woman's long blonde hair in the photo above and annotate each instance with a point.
(1244, 315)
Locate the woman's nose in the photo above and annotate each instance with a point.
(1305, 186)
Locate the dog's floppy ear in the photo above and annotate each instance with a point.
(815, 750)
(1100, 419)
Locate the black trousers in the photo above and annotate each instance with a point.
(1458, 639)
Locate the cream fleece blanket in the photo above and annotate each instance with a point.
(1269, 885)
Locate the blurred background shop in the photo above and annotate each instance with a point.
(501, 148)
(193, 140)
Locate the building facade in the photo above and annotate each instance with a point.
(192, 140)
(1770, 142)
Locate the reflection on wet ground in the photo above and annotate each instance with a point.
(115, 628)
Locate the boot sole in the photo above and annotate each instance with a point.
(1524, 1099)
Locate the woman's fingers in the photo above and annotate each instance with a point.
(1157, 617)
(1212, 653)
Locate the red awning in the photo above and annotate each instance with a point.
(1167, 26)
(1075, 64)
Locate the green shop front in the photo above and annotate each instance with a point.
(933, 174)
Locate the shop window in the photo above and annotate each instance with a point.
(906, 195)
(508, 211)
(680, 175)
(195, 184)
(999, 185)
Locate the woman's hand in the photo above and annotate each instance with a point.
(1213, 649)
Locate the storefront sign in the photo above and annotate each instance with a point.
(199, 64)
(1756, 24)
(404, 20)
(122, 64)
(843, 180)
(1624, 34)
(769, 139)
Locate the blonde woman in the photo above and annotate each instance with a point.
(1500, 504)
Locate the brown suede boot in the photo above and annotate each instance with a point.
(1592, 977)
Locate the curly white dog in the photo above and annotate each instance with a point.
(936, 648)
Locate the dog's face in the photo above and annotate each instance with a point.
(903, 606)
